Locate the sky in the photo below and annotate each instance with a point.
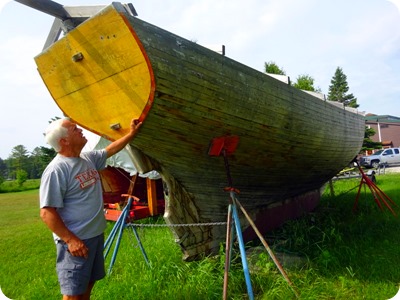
(303, 37)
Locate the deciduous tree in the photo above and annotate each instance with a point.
(306, 82)
(272, 68)
(22, 176)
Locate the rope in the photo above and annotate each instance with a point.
(177, 225)
(124, 175)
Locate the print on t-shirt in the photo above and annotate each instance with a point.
(87, 178)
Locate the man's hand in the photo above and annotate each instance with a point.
(77, 248)
(135, 125)
(53, 220)
(119, 144)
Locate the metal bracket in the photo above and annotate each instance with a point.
(69, 17)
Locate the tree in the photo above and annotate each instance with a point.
(339, 88)
(40, 158)
(20, 156)
(46, 154)
(22, 176)
(369, 144)
(306, 82)
(272, 68)
(18, 160)
(3, 169)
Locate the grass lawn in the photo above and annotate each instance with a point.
(344, 255)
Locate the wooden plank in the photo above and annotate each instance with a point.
(152, 196)
(104, 82)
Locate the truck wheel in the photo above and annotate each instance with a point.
(375, 163)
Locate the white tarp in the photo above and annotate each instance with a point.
(119, 160)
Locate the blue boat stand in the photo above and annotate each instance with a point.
(233, 214)
(118, 228)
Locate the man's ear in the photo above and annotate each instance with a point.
(63, 142)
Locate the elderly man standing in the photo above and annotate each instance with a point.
(71, 205)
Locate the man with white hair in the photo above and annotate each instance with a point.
(71, 205)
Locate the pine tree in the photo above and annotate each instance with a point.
(339, 88)
(368, 143)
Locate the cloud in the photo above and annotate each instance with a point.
(3, 3)
(396, 3)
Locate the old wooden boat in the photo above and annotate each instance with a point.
(114, 67)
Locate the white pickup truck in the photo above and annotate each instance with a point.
(385, 156)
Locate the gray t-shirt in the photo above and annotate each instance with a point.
(72, 185)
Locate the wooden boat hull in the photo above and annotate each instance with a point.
(115, 67)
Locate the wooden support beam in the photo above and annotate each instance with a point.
(152, 196)
(131, 188)
(47, 6)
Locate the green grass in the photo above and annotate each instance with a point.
(345, 255)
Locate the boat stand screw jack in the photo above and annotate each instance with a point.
(77, 57)
(226, 145)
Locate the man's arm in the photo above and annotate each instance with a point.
(54, 222)
(119, 144)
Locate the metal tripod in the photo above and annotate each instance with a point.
(227, 145)
(376, 192)
(122, 222)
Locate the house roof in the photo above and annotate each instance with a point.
(381, 118)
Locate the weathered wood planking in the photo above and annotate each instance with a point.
(290, 144)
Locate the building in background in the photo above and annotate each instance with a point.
(387, 129)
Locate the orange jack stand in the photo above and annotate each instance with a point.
(376, 192)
